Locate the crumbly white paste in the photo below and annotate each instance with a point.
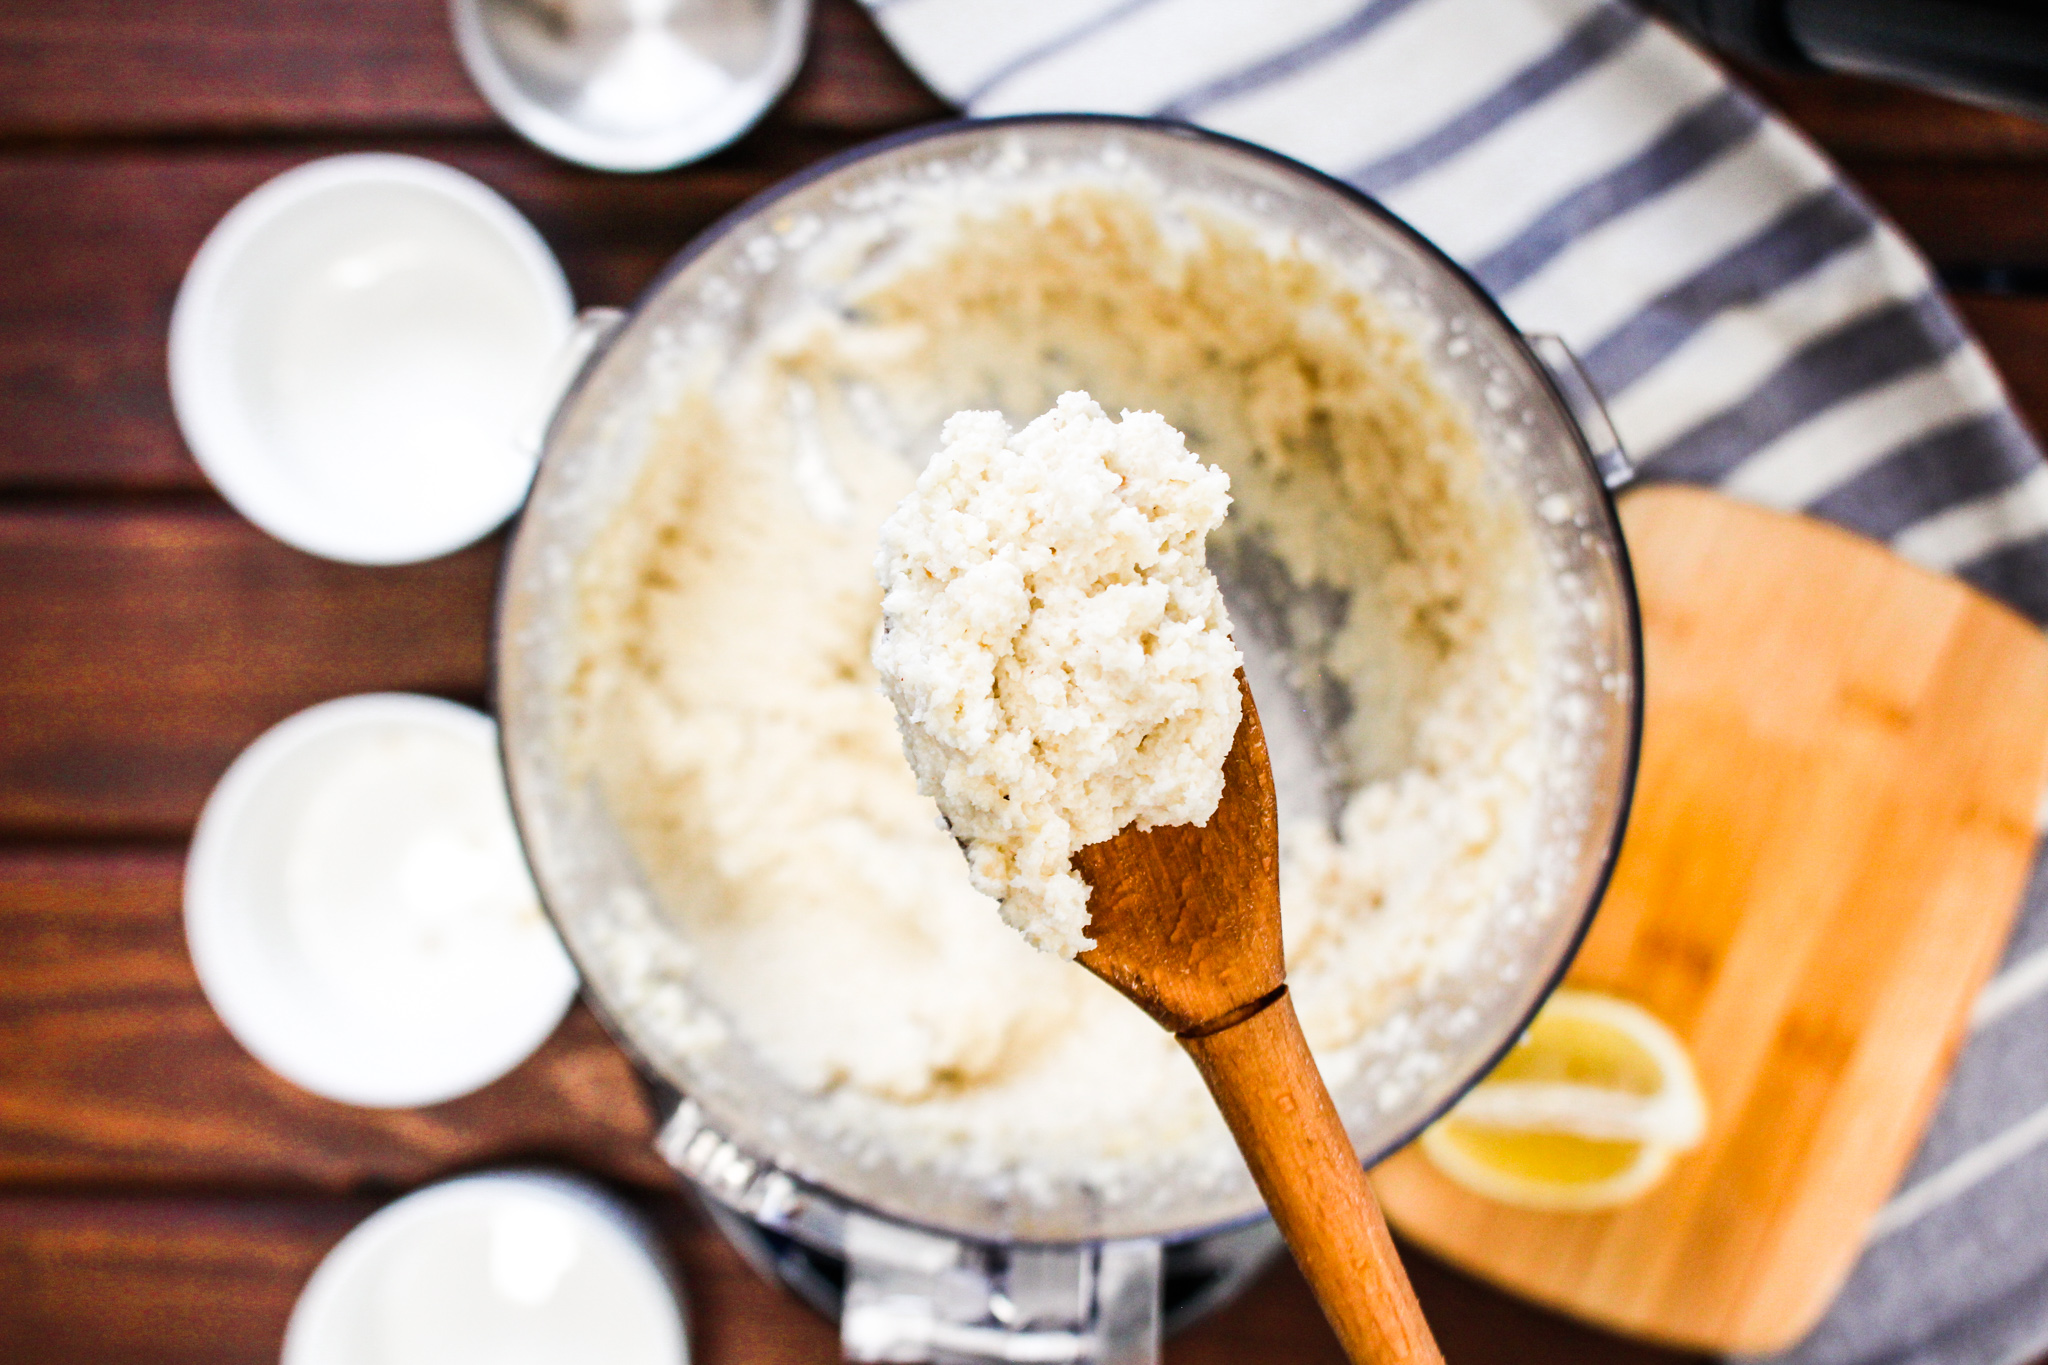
(1056, 648)
(732, 717)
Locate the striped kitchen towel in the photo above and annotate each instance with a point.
(1752, 325)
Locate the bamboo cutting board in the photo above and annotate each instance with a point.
(1842, 757)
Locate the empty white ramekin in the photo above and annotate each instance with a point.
(356, 350)
(356, 905)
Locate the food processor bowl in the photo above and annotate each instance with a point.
(923, 1264)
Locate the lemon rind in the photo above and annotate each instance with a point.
(1665, 1124)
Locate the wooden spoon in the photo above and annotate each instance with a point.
(1186, 921)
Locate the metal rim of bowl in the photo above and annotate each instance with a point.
(561, 136)
(757, 205)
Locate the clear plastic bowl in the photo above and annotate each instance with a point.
(742, 1132)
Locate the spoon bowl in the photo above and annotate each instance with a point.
(1186, 918)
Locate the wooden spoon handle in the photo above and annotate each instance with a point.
(1278, 1109)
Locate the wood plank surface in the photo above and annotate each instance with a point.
(1853, 117)
(182, 1280)
(142, 647)
(79, 68)
(193, 1280)
(83, 394)
(114, 1071)
(1963, 212)
(2014, 330)
(157, 1280)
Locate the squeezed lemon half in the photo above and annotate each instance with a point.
(1587, 1111)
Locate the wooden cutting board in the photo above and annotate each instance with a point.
(1842, 758)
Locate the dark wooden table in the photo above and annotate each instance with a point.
(163, 1197)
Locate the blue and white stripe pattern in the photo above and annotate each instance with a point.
(1752, 325)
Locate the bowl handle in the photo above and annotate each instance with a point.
(589, 334)
(1582, 401)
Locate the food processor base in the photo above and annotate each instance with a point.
(1197, 1277)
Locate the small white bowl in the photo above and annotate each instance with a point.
(359, 911)
(489, 1269)
(353, 350)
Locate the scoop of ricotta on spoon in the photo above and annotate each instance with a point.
(1056, 647)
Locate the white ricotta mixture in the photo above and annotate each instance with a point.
(729, 711)
(1056, 648)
